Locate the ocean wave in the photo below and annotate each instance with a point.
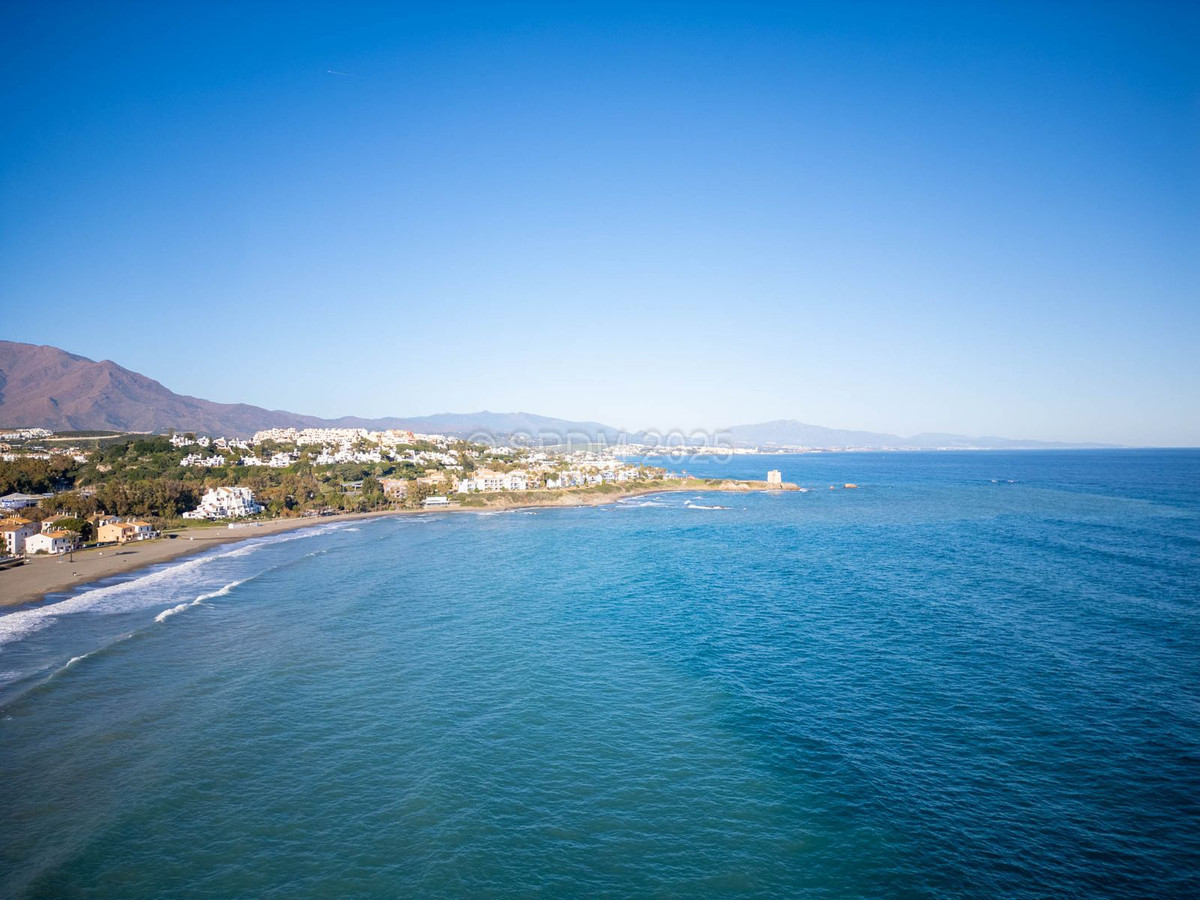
(175, 610)
(690, 505)
(138, 592)
(75, 660)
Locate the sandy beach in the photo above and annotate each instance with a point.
(44, 575)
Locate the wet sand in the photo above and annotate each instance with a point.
(41, 575)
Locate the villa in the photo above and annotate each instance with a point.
(225, 503)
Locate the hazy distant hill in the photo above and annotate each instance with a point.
(46, 387)
(790, 433)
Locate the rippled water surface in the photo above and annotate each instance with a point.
(976, 675)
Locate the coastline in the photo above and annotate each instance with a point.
(41, 576)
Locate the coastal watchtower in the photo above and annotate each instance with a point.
(774, 477)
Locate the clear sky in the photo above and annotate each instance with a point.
(900, 216)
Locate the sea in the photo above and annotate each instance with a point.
(977, 674)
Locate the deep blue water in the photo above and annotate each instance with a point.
(977, 675)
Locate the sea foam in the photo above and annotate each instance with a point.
(139, 592)
(174, 610)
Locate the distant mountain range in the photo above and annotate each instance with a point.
(44, 387)
(790, 433)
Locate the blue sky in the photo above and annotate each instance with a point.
(904, 217)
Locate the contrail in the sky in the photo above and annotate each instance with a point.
(343, 74)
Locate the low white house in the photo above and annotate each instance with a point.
(225, 503)
(52, 542)
(14, 533)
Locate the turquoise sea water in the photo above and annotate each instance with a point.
(977, 675)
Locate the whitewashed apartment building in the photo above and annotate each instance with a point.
(225, 503)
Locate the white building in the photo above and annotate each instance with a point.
(207, 462)
(52, 542)
(774, 477)
(14, 533)
(20, 501)
(486, 480)
(225, 503)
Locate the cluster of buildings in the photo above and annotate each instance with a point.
(338, 445)
(25, 434)
(195, 459)
(545, 470)
(346, 454)
(23, 537)
(221, 443)
(280, 460)
(10, 453)
(340, 437)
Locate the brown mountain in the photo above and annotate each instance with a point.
(46, 387)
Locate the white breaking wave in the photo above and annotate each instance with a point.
(691, 505)
(78, 659)
(167, 613)
(219, 593)
(139, 592)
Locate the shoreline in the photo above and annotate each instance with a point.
(40, 577)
